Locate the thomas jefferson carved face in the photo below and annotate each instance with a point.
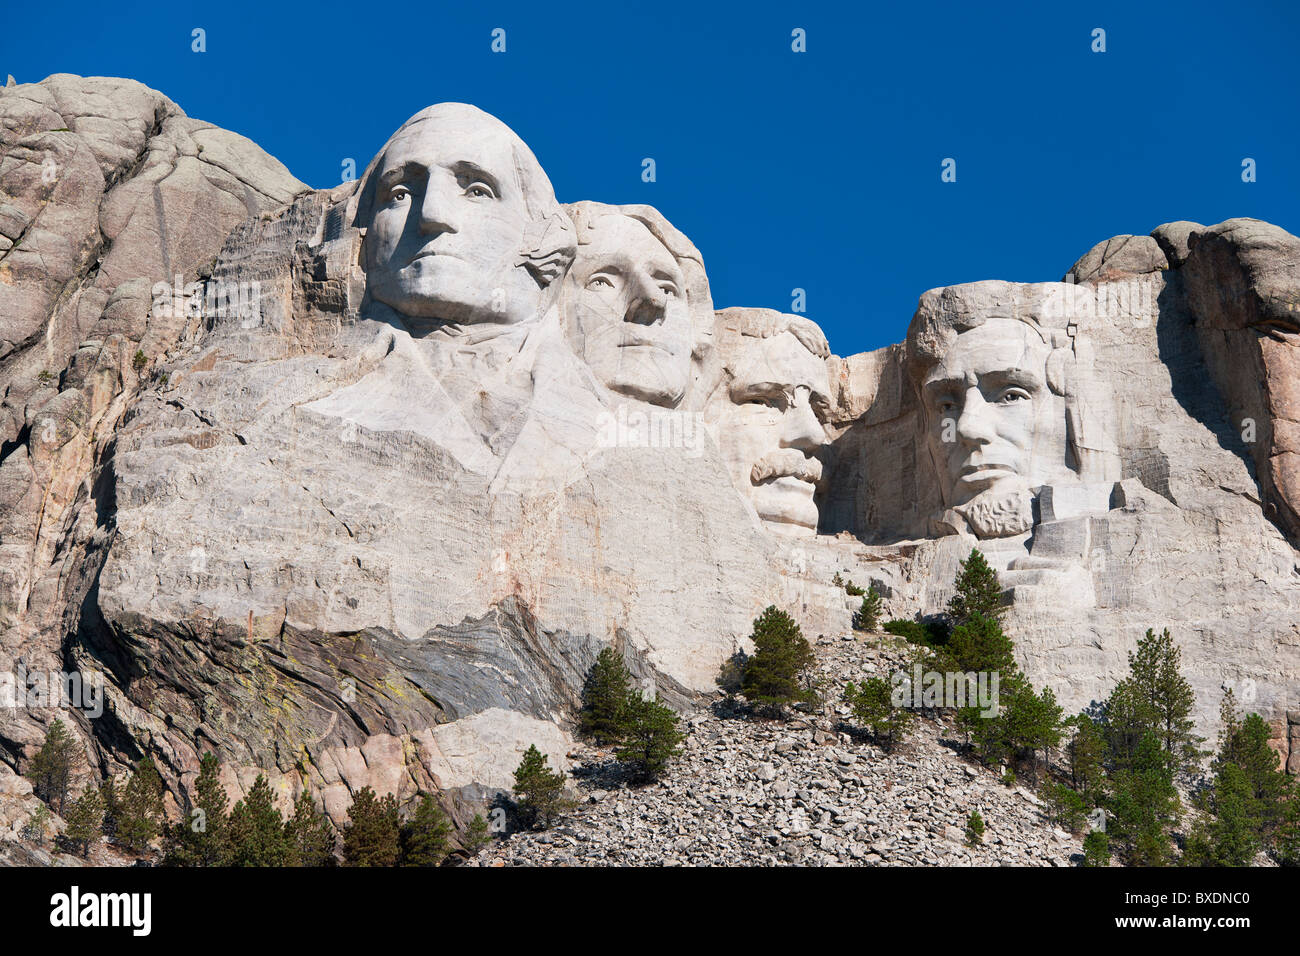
(993, 423)
(773, 427)
(631, 322)
(447, 225)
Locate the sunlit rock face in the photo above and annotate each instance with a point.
(373, 528)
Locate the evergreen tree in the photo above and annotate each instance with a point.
(1232, 836)
(1030, 722)
(1096, 849)
(201, 838)
(974, 829)
(606, 696)
(873, 706)
(1144, 803)
(257, 835)
(425, 837)
(651, 736)
(1068, 806)
(1086, 753)
(1154, 698)
(84, 819)
(979, 644)
(371, 837)
(976, 591)
(781, 655)
(141, 807)
(309, 834)
(867, 617)
(52, 768)
(112, 807)
(539, 788)
(477, 835)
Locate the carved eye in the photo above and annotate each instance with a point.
(599, 282)
(1013, 395)
(776, 402)
(480, 190)
(668, 289)
(399, 194)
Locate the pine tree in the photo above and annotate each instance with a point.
(141, 807)
(781, 655)
(1154, 698)
(309, 834)
(84, 819)
(1232, 836)
(1248, 796)
(1086, 753)
(540, 789)
(1144, 803)
(873, 706)
(979, 644)
(257, 836)
(651, 736)
(371, 837)
(1096, 849)
(606, 696)
(1067, 806)
(425, 837)
(201, 838)
(1031, 722)
(976, 591)
(112, 807)
(867, 617)
(52, 768)
(974, 829)
(477, 835)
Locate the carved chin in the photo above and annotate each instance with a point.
(1000, 512)
(786, 506)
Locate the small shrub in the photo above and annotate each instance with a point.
(974, 829)
(1096, 849)
(867, 617)
(539, 788)
(781, 655)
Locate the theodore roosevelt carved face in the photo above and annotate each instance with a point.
(774, 423)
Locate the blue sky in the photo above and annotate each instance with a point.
(817, 170)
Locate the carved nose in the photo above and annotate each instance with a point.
(435, 213)
(649, 303)
(801, 428)
(975, 424)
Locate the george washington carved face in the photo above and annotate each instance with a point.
(454, 206)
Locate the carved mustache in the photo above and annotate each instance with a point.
(786, 462)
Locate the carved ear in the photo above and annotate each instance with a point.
(548, 248)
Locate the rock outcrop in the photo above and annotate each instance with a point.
(359, 497)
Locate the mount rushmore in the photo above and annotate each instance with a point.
(352, 485)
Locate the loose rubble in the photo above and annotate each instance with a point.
(808, 791)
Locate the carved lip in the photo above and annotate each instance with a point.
(987, 469)
(645, 343)
(783, 481)
(427, 253)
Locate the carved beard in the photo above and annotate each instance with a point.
(996, 513)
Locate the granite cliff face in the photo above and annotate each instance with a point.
(359, 497)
